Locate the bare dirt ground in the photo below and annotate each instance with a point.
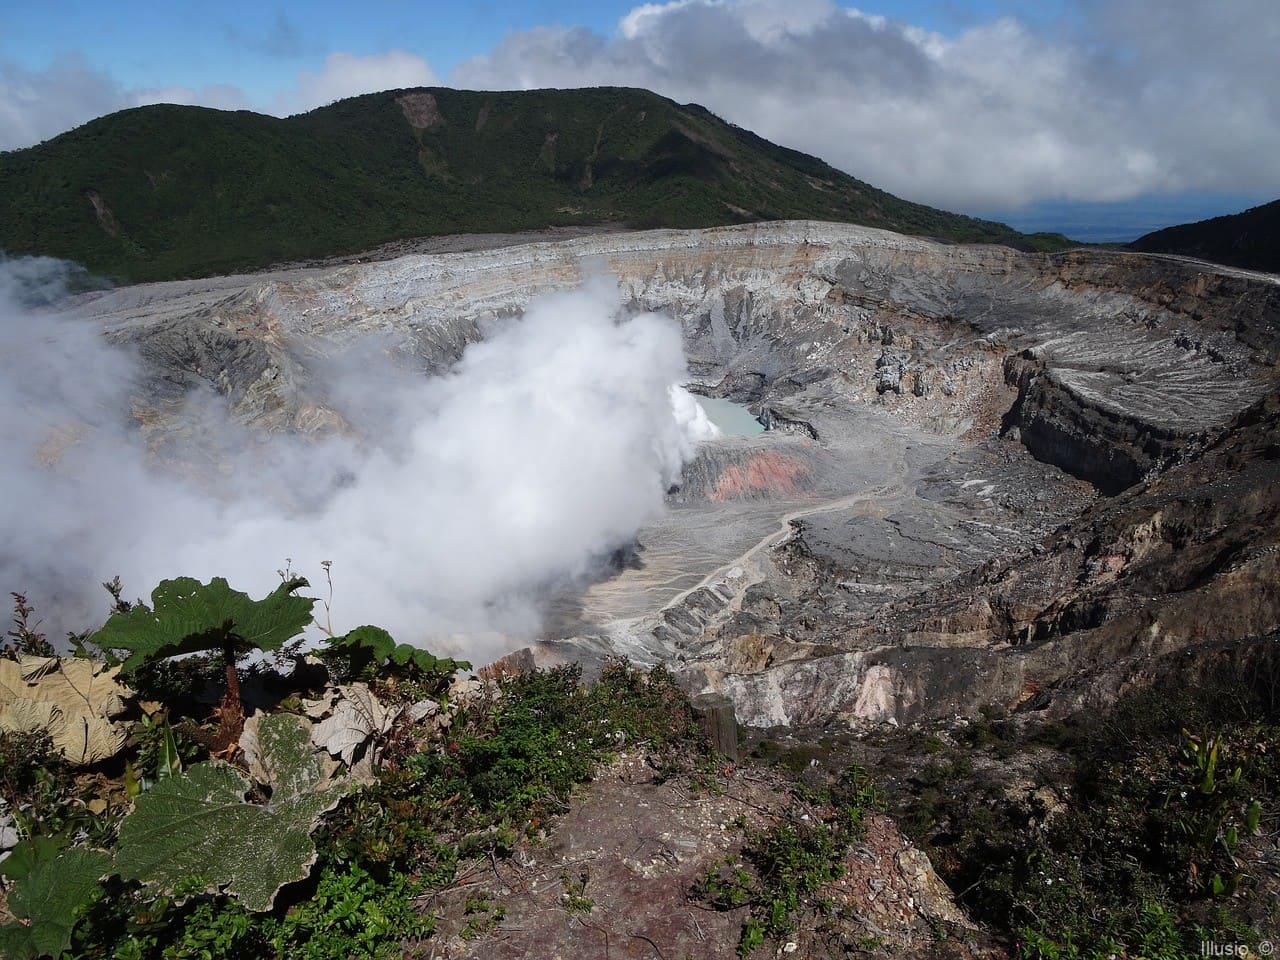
(613, 879)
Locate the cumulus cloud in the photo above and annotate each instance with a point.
(347, 75)
(463, 502)
(997, 115)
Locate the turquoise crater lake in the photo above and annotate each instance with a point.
(733, 419)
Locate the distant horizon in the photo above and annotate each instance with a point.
(1122, 221)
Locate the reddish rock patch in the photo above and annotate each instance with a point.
(767, 472)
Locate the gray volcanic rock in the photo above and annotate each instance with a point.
(1163, 580)
(769, 311)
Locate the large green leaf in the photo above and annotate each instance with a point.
(187, 616)
(30, 854)
(359, 649)
(50, 889)
(197, 825)
(379, 643)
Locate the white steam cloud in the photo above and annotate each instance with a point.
(692, 418)
(466, 498)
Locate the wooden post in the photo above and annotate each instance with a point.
(714, 713)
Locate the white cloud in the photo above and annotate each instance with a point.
(346, 75)
(633, 24)
(465, 501)
(996, 115)
(38, 104)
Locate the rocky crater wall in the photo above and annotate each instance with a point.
(1122, 358)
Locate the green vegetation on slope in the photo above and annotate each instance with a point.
(1250, 239)
(170, 191)
(1143, 831)
(170, 850)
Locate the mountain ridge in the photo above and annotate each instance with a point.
(1249, 239)
(165, 191)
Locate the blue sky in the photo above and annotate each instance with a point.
(1102, 117)
(260, 46)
